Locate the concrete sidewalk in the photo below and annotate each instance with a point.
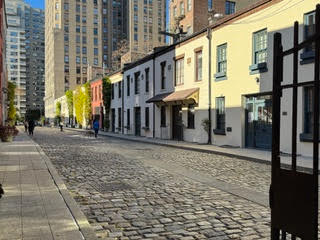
(36, 204)
(303, 162)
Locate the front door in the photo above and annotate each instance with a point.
(177, 127)
(137, 121)
(113, 119)
(259, 122)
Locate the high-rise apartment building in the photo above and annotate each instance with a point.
(146, 19)
(114, 28)
(25, 54)
(3, 67)
(133, 27)
(193, 15)
(73, 42)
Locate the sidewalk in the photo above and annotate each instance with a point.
(36, 204)
(303, 162)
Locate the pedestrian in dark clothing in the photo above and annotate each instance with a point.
(31, 127)
(96, 128)
(25, 126)
(1, 190)
(61, 126)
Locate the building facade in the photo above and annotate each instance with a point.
(217, 88)
(25, 51)
(3, 64)
(73, 42)
(35, 59)
(194, 15)
(97, 100)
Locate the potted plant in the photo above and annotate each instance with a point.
(7, 133)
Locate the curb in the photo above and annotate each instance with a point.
(231, 155)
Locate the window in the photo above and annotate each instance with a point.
(147, 117)
(198, 66)
(78, 59)
(309, 30)
(179, 68)
(181, 8)
(220, 114)
(221, 61)
(128, 118)
(66, 59)
(191, 116)
(78, 49)
(175, 11)
(230, 7)
(119, 89)
(147, 70)
(112, 91)
(137, 83)
(119, 118)
(128, 85)
(84, 50)
(260, 44)
(163, 75)
(189, 5)
(163, 116)
(308, 111)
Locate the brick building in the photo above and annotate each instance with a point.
(97, 100)
(3, 71)
(194, 14)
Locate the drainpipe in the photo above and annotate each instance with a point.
(209, 36)
(153, 94)
(122, 108)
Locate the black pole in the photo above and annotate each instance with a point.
(209, 36)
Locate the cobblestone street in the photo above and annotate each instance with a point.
(131, 190)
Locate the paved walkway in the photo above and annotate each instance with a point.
(303, 162)
(36, 204)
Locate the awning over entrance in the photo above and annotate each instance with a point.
(185, 96)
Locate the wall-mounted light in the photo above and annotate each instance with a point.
(257, 79)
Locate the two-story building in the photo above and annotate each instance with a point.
(215, 86)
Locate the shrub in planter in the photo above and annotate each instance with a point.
(7, 133)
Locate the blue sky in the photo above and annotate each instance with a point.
(36, 3)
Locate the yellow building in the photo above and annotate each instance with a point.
(222, 76)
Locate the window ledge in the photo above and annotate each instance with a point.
(219, 131)
(307, 57)
(258, 68)
(220, 76)
(306, 137)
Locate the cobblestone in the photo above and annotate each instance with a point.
(157, 204)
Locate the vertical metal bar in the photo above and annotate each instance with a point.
(295, 98)
(316, 118)
(276, 95)
(283, 235)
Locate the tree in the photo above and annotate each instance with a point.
(87, 101)
(11, 110)
(69, 96)
(106, 94)
(78, 104)
(122, 48)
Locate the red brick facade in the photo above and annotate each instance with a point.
(97, 100)
(196, 17)
(3, 72)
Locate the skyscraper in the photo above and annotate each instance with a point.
(73, 42)
(25, 54)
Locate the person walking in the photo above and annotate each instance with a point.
(25, 126)
(61, 126)
(31, 127)
(96, 128)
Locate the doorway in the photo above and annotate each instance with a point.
(259, 122)
(177, 126)
(137, 121)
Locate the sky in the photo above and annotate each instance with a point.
(36, 3)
